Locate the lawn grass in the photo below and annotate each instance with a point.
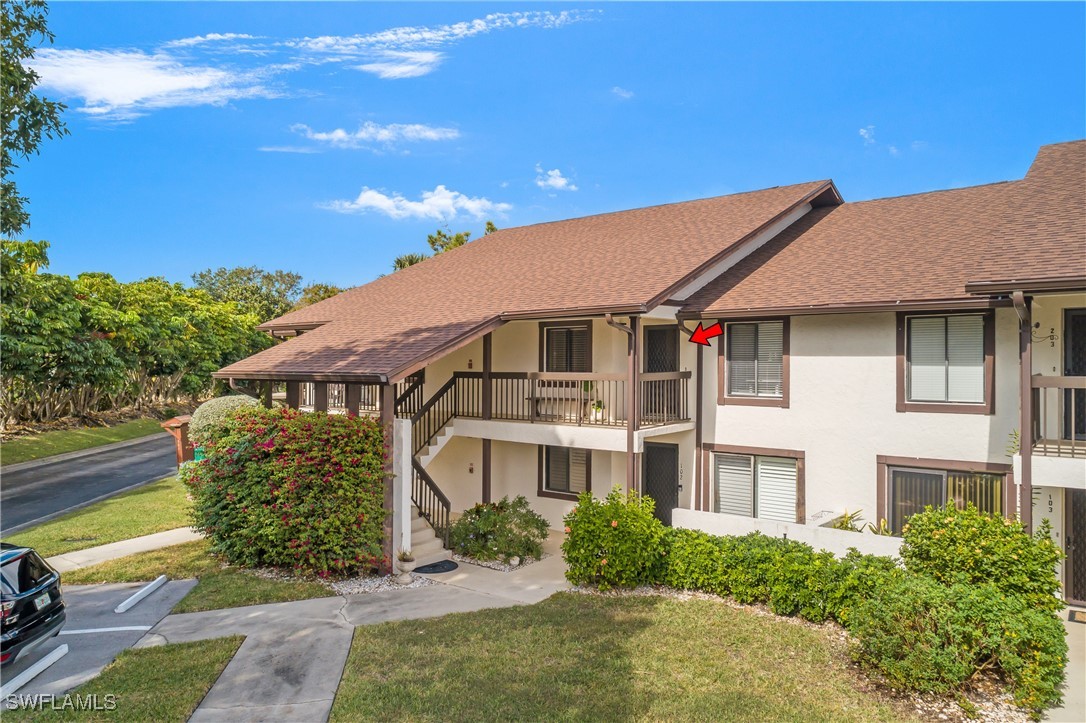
(219, 586)
(47, 444)
(164, 683)
(583, 657)
(151, 508)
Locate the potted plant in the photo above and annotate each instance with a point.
(595, 410)
(406, 562)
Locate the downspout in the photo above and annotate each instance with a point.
(696, 493)
(631, 399)
(1025, 384)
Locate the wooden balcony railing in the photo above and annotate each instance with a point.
(1059, 416)
(581, 399)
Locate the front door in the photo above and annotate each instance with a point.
(660, 478)
(1074, 351)
(660, 401)
(1075, 565)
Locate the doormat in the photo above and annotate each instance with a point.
(435, 567)
(1077, 616)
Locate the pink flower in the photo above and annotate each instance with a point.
(567, 530)
(603, 561)
(614, 523)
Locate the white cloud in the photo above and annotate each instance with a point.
(552, 180)
(288, 149)
(893, 150)
(433, 36)
(370, 132)
(868, 134)
(919, 145)
(622, 93)
(396, 64)
(439, 204)
(124, 84)
(209, 38)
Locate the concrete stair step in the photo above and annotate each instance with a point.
(419, 524)
(426, 548)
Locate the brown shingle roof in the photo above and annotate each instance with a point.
(917, 248)
(611, 262)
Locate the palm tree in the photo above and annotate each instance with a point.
(402, 262)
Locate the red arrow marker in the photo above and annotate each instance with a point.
(702, 336)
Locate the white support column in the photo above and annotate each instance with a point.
(401, 501)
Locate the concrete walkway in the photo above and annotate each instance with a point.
(1073, 709)
(289, 667)
(124, 548)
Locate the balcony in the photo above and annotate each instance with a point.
(1059, 416)
(581, 399)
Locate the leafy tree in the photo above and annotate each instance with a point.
(442, 240)
(317, 292)
(402, 262)
(27, 117)
(265, 294)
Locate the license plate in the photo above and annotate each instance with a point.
(41, 601)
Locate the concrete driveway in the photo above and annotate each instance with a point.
(95, 634)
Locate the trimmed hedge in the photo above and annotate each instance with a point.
(928, 632)
(210, 418)
(285, 488)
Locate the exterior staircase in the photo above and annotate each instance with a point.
(426, 546)
(435, 445)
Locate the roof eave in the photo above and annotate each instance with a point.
(1007, 286)
(851, 308)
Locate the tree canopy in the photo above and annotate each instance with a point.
(265, 294)
(317, 292)
(27, 117)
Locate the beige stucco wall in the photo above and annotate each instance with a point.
(842, 412)
(514, 471)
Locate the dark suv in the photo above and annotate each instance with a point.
(31, 609)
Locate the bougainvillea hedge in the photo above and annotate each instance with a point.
(290, 489)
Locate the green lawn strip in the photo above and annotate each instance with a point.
(220, 586)
(164, 683)
(581, 657)
(151, 508)
(47, 444)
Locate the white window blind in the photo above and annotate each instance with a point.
(965, 358)
(946, 359)
(927, 359)
(734, 484)
(756, 359)
(762, 487)
(776, 488)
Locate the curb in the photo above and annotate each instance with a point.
(66, 456)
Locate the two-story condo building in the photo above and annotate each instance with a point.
(877, 356)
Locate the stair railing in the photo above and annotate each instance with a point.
(432, 503)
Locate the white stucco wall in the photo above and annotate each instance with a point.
(820, 538)
(842, 409)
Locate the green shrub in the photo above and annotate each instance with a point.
(209, 419)
(614, 542)
(283, 488)
(953, 545)
(856, 577)
(923, 635)
(499, 530)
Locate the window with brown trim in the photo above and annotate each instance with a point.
(946, 363)
(753, 363)
(908, 485)
(565, 347)
(766, 484)
(564, 472)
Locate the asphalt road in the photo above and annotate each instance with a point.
(40, 492)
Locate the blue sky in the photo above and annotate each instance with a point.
(329, 138)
